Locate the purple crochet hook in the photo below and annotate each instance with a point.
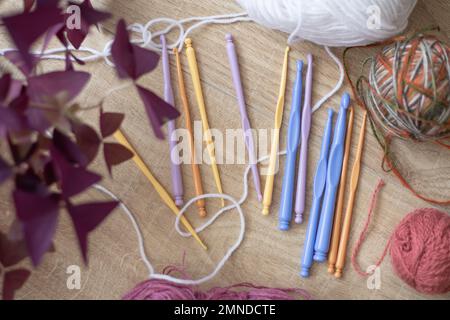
(234, 66)
(306, 126)
(177, 180)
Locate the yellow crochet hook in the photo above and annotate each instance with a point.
(343, 241)
(193, 67)
(268, 188)
(120, 137)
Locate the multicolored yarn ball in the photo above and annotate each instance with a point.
(407, 91)
(420, 250)
(156, 289)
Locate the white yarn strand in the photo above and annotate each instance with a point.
(235, 205)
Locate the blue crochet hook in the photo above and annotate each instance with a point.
(322, 244)
(293, 141)
(318, 191)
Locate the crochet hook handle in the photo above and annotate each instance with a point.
(318, 191)
(293, 141)
(234, 66)
(306, 127)
(177, 180)
(333, 177)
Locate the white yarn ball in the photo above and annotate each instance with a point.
(335, 23)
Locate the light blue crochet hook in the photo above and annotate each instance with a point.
(322, 244)
(293, 141)
(319, 189)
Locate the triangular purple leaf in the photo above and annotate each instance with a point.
(122, 52)
(158, 111)
(69, 148)
(110, 122)
(39, 217)
(115, 154)
(74, 180)
(50, 84)
(145, 60)
(13, 281)
(87, 139)
(25, 28)
(86, 218)
(16, 59)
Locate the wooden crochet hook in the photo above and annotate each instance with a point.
(268, 188)
(343, 241)
(164, 195)
(193, 67)
(187, 117)
(337, 224)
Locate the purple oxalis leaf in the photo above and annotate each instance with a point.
(158, 111)
(115, 154)
(25, 28)
(87, 139)
(13, 281)
(131, 60)
(110, 122)
(74, 180)
(88, 17)
(69, 148)
(70, 83)
(39, 216)
(86, 218)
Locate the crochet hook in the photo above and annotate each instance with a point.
(318, 191)
(306, 127)
(333, 176)
(195, 75)
(293, 141)
(234, 66)
(187, 117)
(337, 223)
(177, 180)
(164, 195)
(268, 188)
(351, 200)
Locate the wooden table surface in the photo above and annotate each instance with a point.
(267, 256)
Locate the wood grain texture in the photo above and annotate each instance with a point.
(267, 257)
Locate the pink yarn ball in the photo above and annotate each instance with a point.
(420, 250)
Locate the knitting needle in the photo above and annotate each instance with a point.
(349, 211)
(234, 66)
(318, 191)
(268, 188)
(340, 200)
(164, 195)
(193, 67)
(293, 141)
(177, 180)
(187, 117)
(306, 126)
(333, 176)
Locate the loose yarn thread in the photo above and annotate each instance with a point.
(419, 248)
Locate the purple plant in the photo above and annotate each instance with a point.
(50, 148)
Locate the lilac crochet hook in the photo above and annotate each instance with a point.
(319, 189)
(293, 141)
(323, 237)
(177, 180)
(234, 66)
(306, 127)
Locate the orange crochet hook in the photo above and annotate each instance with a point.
(187, 117)
(343, 241)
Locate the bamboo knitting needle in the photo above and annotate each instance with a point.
(340, 202)
(177, 178)
(193, 67)
(268, 188)
(187, 117)
(120, 137)
(349, 211)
